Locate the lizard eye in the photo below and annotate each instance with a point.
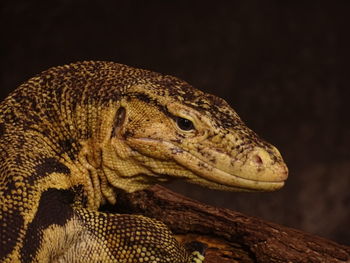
(184, 124)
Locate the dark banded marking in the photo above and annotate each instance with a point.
(54, 209)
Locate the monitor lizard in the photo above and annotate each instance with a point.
(73, 135)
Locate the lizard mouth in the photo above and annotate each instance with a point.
(211, 176)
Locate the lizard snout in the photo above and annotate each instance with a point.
(268, 164)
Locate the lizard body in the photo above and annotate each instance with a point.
(73, 135)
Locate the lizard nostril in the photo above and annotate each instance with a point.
(257, 159)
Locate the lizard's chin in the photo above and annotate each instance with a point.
(256, 186)
(206, 174)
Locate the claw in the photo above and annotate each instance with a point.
(197, 250)
(196, 257)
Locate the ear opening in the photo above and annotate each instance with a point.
(119, 120)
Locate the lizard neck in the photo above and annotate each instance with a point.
(109, 164)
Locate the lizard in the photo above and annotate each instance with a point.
(74, 135)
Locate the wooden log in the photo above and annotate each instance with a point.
(230, 236)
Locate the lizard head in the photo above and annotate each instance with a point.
(164, 128)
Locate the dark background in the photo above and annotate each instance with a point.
(283, 65)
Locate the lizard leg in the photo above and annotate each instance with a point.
(62, 232)
(124, 238)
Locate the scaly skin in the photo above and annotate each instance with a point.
(73, 135)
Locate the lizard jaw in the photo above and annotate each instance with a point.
(211, 176)
(218, 176)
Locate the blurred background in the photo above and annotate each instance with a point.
(283, 65)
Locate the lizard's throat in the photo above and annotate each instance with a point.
(123, 170)
(103, 171)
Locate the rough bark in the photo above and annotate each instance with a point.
(231, 236)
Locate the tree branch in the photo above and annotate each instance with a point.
(231, 236)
